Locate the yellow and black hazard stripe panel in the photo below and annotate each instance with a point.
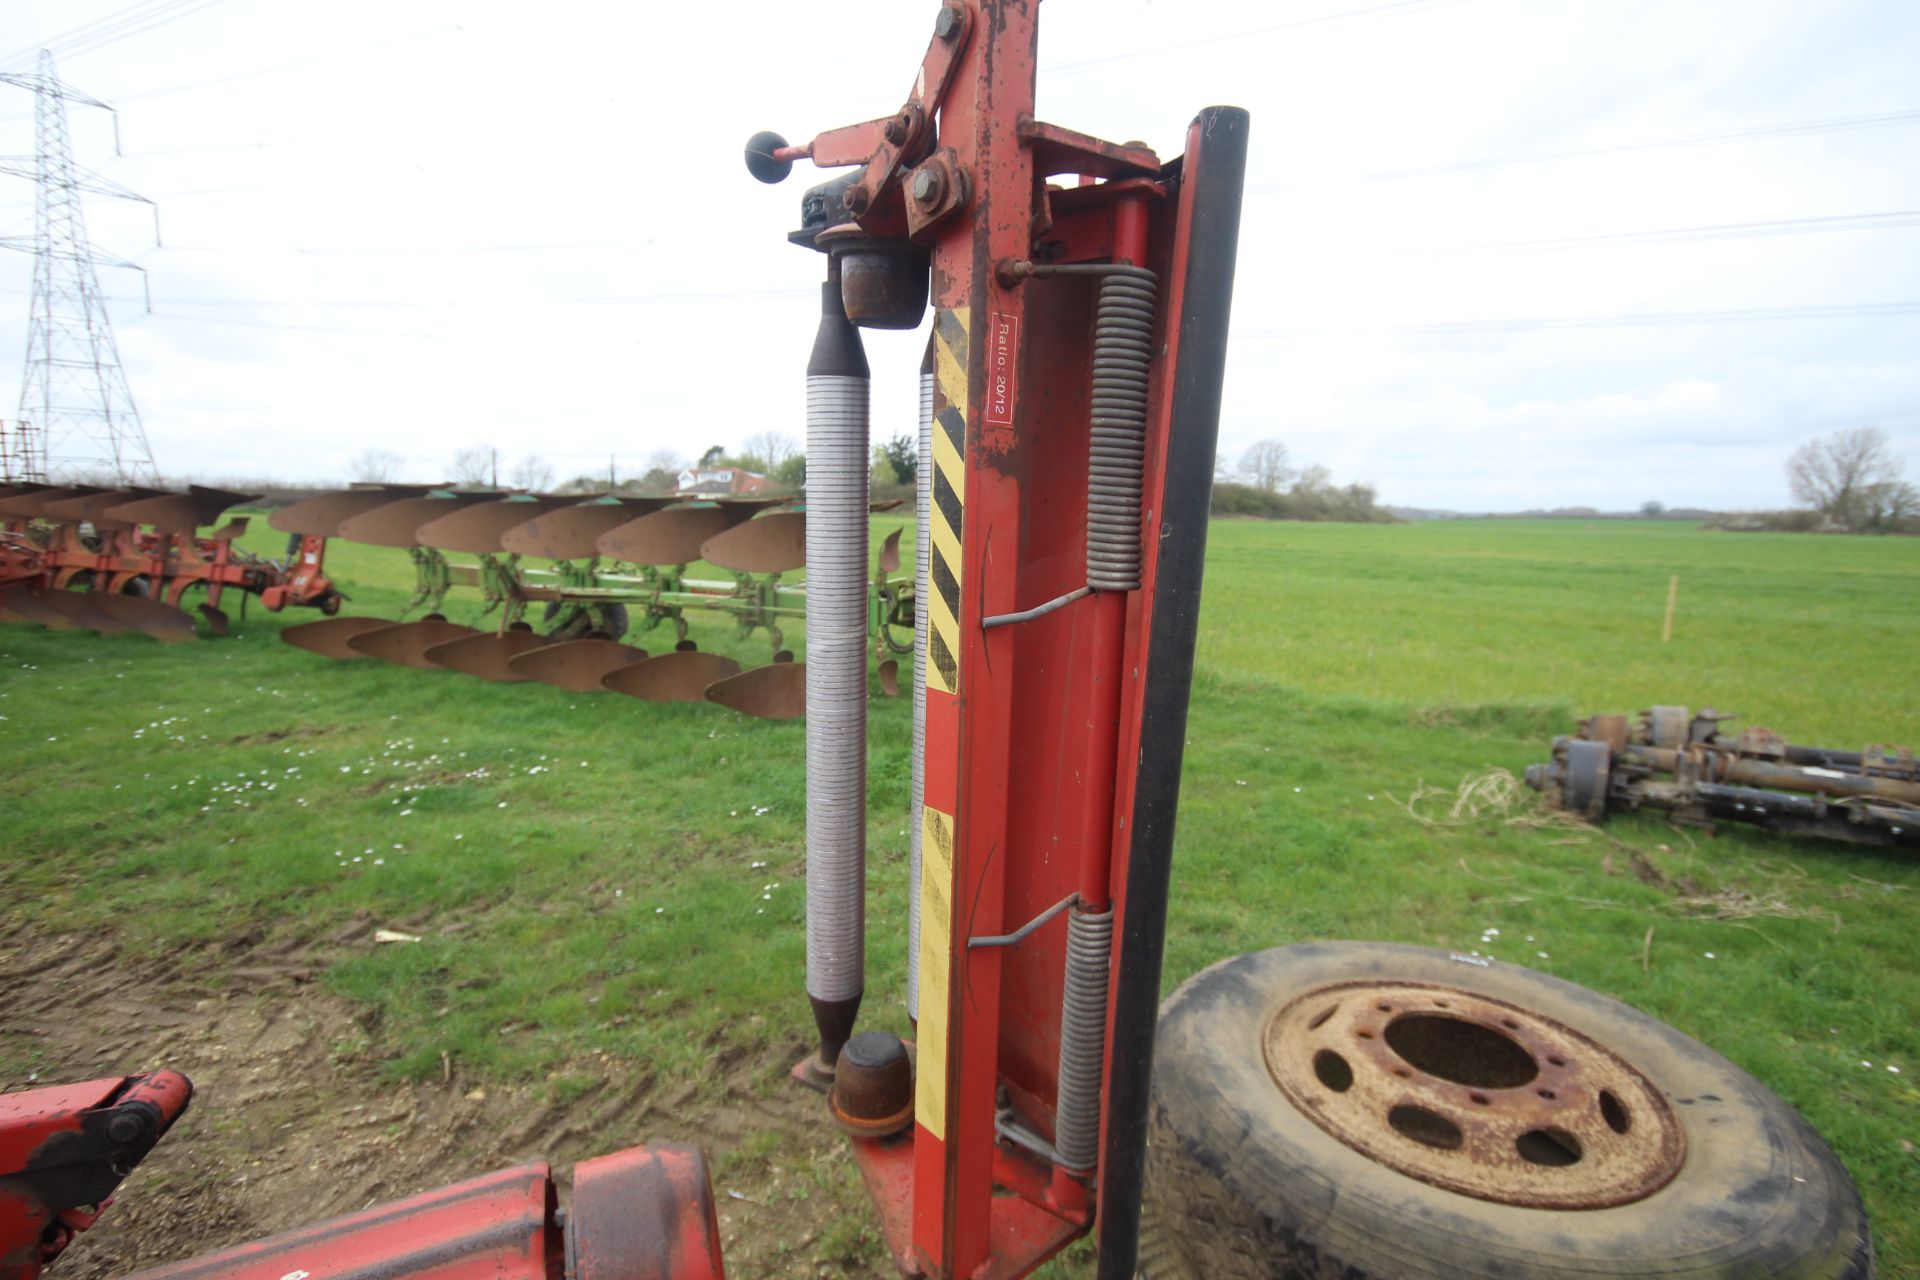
(936, 963)
(946, 519)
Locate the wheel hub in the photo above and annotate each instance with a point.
(1474, 1095)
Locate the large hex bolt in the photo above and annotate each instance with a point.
(929, 185)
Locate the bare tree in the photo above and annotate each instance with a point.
(664, 460)
(373, 466)
(1844, 475)
(1264, 466)
(532, 472)
(473, 466)
(772, 448)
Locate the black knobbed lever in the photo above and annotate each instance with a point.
(769, 158)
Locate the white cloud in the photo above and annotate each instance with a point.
(416, 227)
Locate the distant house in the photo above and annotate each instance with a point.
(721, 482)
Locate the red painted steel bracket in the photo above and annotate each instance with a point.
(64, 1150)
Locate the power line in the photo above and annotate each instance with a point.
(1687, 235)
(114, 27)
(1156, 50)
(1734, 315)
(389, 304)
(1783, 129)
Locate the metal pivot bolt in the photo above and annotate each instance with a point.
(928, 185)
(948, 25)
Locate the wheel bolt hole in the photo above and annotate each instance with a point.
(1365, 1034)
(1428, 1128)
(1403, 1073)
(1548, 1094)
(1384, 1008)
(1550, 1148)
(1333, 1071)
(1480, 1099)
(1614, 1112)
(1556, 1062)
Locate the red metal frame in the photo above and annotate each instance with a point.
(1024, 790)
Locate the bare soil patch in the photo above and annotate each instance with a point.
(292, 1123)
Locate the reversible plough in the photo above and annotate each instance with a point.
(115, 560)
(602, 570)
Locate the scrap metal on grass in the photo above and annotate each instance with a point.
(1681, 763)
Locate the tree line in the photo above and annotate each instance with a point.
(1266, 485)
(1847, 482)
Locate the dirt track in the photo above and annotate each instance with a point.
(283, 1131)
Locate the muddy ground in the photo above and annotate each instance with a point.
(291, 1123)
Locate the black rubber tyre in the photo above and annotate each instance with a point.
(1241, 1183)
(581, 625)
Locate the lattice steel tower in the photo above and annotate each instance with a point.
(19, 454)
(74, 391)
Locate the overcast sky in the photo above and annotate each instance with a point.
(422, 225)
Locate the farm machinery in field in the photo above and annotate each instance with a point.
(115, 560)
(1683, 764)
(1321, 1109)
(615, 567)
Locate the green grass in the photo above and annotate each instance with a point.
(583, 867)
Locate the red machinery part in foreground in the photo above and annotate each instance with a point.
(64, 1150)
(642, 1214)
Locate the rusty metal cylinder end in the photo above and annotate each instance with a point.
(872, 1093)
(884, 283)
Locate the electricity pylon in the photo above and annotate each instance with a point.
(74, 391)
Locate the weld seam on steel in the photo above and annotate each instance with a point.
(836, 689)
(1083, 1039)
(1019, 935)
(922, 541)
(1038, 611)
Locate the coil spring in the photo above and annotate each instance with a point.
(923, 498)
(1083, 1037)
(1117, 447)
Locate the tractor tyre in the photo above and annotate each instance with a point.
(1371, 1111)
(581, 625)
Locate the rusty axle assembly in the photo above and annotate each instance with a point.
(1683, 764)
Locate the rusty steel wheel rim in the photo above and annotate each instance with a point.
(1474, 1095)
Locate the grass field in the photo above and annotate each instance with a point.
(606, 886)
